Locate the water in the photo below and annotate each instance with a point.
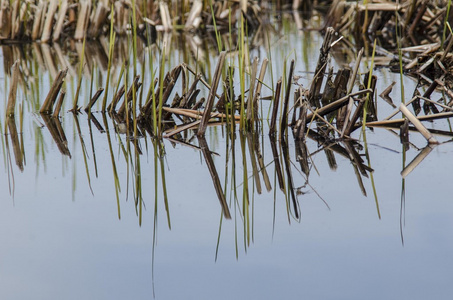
(66, 235)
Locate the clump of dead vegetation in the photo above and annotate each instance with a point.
(48, 20)
(420, 29)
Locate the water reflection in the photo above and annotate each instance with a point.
(247, 170)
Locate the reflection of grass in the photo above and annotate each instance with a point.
(112, 158)
(160, 154)
(403, 195)
(241, 199)
(84, 151)
(367, 154)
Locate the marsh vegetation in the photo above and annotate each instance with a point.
(223, 129)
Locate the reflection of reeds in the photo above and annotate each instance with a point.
(17, 148)
(57, 133)
(289, 176)
(214, 175)
(112, 158)
(84, 151)
(13, 89)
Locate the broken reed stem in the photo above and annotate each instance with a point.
(93, 100)
(357, 113)
(259, 85)
(59, 104)
(134, 88)
(302, 122)
(354, 71)
(49, 23)
(337, 104)
(211, 96)
(284, 120)
(420, 127)
(278, 88)
(195, 114)
(417, 160)
(315, 86)
(250, 102)
(82, 20)
(316, 114)
(398, 122)
(46, 107)
(395, 112)
(13, 89)
(60, 20)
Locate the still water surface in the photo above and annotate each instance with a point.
(64, 234)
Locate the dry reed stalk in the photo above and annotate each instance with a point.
(83, 19)
(250, 101)
(418, 17)
(212, 93)
(278, 88)
(357, 113)
(121, 15)
(59, 104)
(99, 17)
(186, 97)
(420, 127)
(340, 83)
(48, 24)
(417, 160)
(446, 107)
(13, 89)
(5, 20)
(337, 104)
(116, 99)
(395, 112)
(398, 122)
(134, 88)
(284, 120)
(182, 128)
(60, 19)
(192, 113)
(193, 20)
(315, 86)
(46, 107)
(165, 16)
(93, 100)
(201, 79)
(302, 122)
(315, 114)
(15, 18)
(354, 71)
(346, 120)
(259, 85)
(199, 103)
(37, 21)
